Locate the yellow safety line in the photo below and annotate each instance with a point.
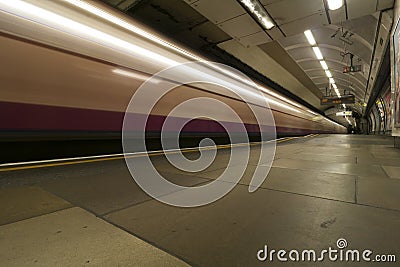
(150, 154)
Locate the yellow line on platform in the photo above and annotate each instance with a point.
(150, 154)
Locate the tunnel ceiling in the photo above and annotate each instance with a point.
(364, 37)
(364, 24)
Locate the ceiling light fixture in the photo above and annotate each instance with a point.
(335, 4)
(310, 37)
(318, 53)
(320, 57)
(328, 74)
(258, 11)
(324, 65)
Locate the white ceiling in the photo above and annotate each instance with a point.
(224, 18)
(293, 17)
(363, 30)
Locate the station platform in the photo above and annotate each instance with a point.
(320, 189)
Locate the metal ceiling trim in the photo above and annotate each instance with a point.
(327, 12)
(346, 10)
(378, 27)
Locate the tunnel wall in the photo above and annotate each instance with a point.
(396, 16)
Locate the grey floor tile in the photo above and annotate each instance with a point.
(74, 237)
(105, 193)
(326, 185)
(230, 231)
(341, 168)
(305, 202)
(320, 157)
(392, 172)
(378, 192)
(378, 161)
(387, 154)
(18, 203)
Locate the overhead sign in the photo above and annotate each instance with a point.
(345, 99)
(344, 113)
(355, 68)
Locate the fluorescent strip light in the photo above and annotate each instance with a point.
(310, 37)
(334, 86)
(331, 80)
(318, 53)
(324, 65)
(328, 74)
(268, 24)
(335, 4)
(258, 11)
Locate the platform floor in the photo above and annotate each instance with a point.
(319, 189)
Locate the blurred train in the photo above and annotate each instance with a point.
(69, 69)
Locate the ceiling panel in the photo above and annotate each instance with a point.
(210, 32)
(338, 15)
(268, 2)
(237, 27)
(385, 4)
(365, 27)
(218, 11)
(275, 33)
(254, 39)
(286, 11)
(315, 72)
(359, 8)
(300, 53)
(300, 25)
(113, 2)
(310, 64)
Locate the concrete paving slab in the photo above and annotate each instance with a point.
(378, 161)
(378, 192)
(387, 154)
(100, 193)
(308, 202)
(313, 183)
(320, 157)
(341, 168)
(392, 172)
(104, 193)
(334, 153)
(319, 184)
(232, 230)
(75, 237)
(19, 203)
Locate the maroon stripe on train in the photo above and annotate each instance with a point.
(28, 117)
(21, 116)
